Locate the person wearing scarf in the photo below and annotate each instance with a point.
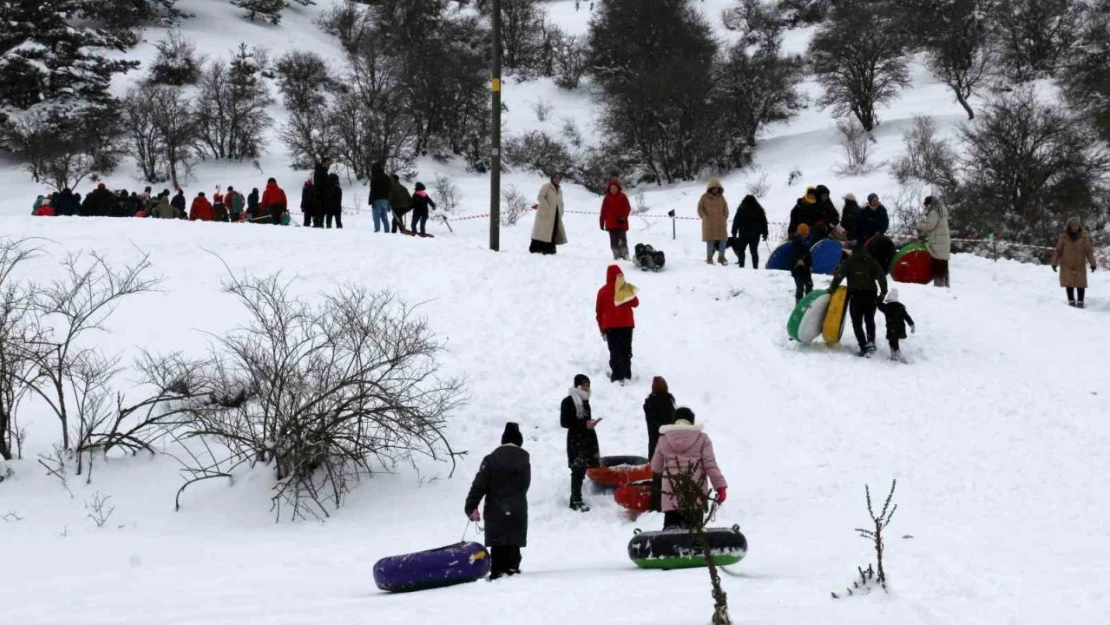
(582, 448)
(616, 321)
(503, 481)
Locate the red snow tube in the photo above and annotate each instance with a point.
(635, 496)
(620, 470)
(913, 265)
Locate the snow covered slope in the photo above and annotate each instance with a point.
(994, 433)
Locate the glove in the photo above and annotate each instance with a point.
(1093, 268)
(913, 329)
(1054, 269)
(604, 336)
(475, 515)
(722, 494)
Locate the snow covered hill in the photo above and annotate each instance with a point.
(994, 432)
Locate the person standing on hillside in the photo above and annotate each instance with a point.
(334, 210)
(422, 203)
(616, 321)
(274, 202)
(828, 219)
(897, 318)
(938, 240)
(615, 210)
(583, 451)
(873, 221)
(659, 410)
(849, 215)
(801, 267)
(380, 187)
(1071, 257)
(400, 202)
(253, 205)
(235, 204)
(202, 209)
(548, 231)
(322, 189)
(748, 226)
(178, 202)
(681, 446)
(308, 200)
(806, 211)
(503, 481)
(713, 212)
(862, 272)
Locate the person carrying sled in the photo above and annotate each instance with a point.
(1071, 257)
(400, 202)
(421, 204)
(616, 321)
(503, 480)
(713, 212)
(748, 226)
(683, 447)
(897, 317)
(801, 266)
(615, 210)
(548, 231)
(862, 272)
(938, 240)
(582, 449)
(659, 408)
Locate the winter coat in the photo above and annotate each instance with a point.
(611, 314)
(163, 209)
(896, 319)
(713, 211)
(658, 411)
(272, 197)
(583, 451)
(1073, 255)
(64, 203)
(235, 204)
(935, 228)
(549, 216)
(750, 222)
(308, 197)
(806, 213)
(202, 210)
(681, 445)
(99, 203)
(421, 202)
(321, 188)
(178, 203)
(883, 250)
(380, 185)
(503, 481)
(253, 203)
(871, 221)
(220, 212)
(849, 216)
(800, 255)
(335, 196)
(615, 209)
(829, 215)
(400, 201)
(862, 271)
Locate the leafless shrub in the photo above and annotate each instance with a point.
(16, 328)
(698, 508)
(98, 509)
(856, 143)
(56, 466)
(538, 151)
(572, 134)
(869, 578)
(323, 394)
(11, 516)
(927, 158)
(515, 205)
(906, 211)
(350, 22)
(446, 193)
(542, 109)
(571, 57)
(761, 186)
(795, 175)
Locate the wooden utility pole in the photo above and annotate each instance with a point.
(495, 165)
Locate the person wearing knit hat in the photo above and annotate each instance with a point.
(583, 451)
(681, 446)
(659, 409)
(801, 266)
(503, 481)
(897, 318)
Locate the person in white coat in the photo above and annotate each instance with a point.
(548, 231)
(938, 239)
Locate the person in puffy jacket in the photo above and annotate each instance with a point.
(713, 212)
(681, 446)
(616, 321)
(503, 481)
(583, 452)
(873, 221)
(659, 410)
(202, 209)
(748, 226)
(274, 202)
(938, 239)
(421, 204)
(615, 210)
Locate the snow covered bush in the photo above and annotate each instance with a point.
(856, 145)
(1086, 80)
(1036, 37)
(538, 151)
(231, 106)
(927, 158)
(571, 59)
(323, 393)
(446, 193)
(267, 10)
(177, 62)
(514, 205)
(304, 79)
(350, 22)
(61, 147)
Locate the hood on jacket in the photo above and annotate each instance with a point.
(612, 273)
(271, 185)
(609, 185)
(714, 183)
(892, 296)
(683, 435)
(749, 203)
(810, 196)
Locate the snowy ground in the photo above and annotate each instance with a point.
(992, 431)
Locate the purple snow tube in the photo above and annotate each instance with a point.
(454, 564)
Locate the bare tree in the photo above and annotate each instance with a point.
(350, 22)
(143, 141)
(571, 59)
(176, 122)
(324, 394)
(17, 369)
(446, 193)
(959, 46)
(856, 143)
(761, 186)
(304, 79)
(231, 106)
(927, 158)
(874, 534)
(697, 508)
(62, 150)
(516, 205)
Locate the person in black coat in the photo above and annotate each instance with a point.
(308, 198)
(830, 217)
(178, 203)
(748, 226)
(873, 221)
(253, 205)
(99, 202)
(381, 185)
(801, 265)
(897, 318)
(659, 410)
(503, 481)
(849, 214)
(322, 187)
(334, 210)
(64, 203)
(583, 451)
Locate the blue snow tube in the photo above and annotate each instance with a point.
(780, 258)
(454, 564)
(826, 255)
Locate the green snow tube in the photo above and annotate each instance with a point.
(807, 321)
(679, 549)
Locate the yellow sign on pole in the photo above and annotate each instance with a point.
(496, 85)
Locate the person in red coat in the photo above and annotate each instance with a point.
(616, 321)
(615, 210)
(201, 210)
(274, 201)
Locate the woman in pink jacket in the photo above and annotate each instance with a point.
(681, 445)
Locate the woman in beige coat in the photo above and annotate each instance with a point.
(548, 231)
(1072, 255)
(938, 239)
(713, 211)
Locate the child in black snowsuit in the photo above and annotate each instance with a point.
(801, 263)
(421, 202)
(896, 320)
(647, 257)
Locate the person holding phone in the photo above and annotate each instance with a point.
(582, 449)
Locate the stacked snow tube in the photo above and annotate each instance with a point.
(620, 470)
(679, 549)
(635, 496)
(835, 316)
(454, 564)
(808, 318)
(781, 257)
(912, 264)
(826, 254)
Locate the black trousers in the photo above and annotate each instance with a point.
(419, 221)
(398, 221)
(861, 306)
(803, 282)
(893, 344)
(307, 218)
(275, 214)
(1071, 294)
(577, 478)
(752, 246)
(504, 560)
(673, 521)
(338, 220)
(620, 353)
